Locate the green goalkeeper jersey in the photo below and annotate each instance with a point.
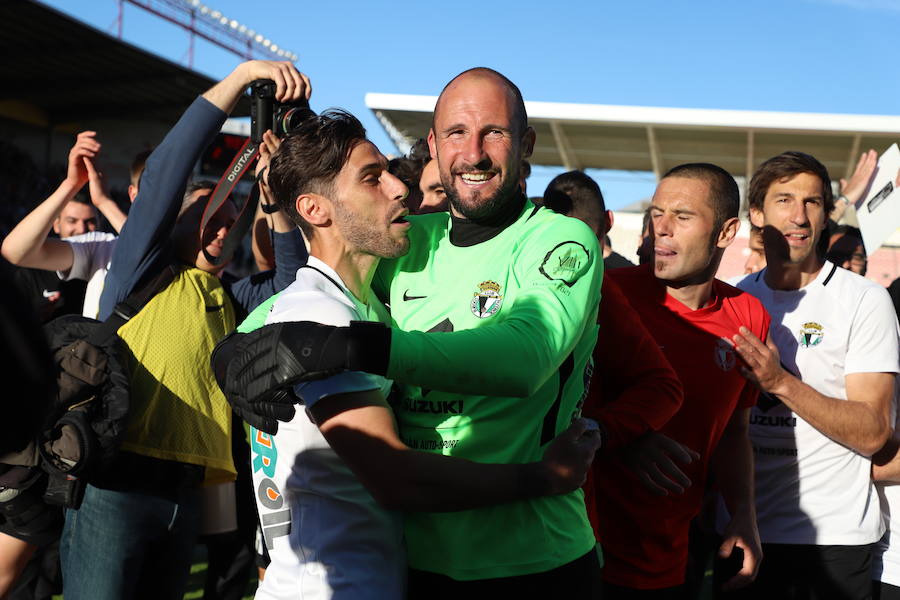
(513, 325)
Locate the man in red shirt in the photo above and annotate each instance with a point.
(645, 499)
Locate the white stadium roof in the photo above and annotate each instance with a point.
(643, 138)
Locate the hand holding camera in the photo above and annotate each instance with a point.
(280, 97)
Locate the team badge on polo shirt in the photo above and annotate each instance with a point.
(487, 300)
(811, 334)
(723, 355)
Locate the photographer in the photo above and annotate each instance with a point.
(134, 532)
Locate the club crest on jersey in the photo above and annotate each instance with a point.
(723, 355)
(811, 334)
(487, 300)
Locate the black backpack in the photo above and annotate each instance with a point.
(85, 424)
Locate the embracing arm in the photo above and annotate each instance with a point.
(360, 427)
(539, 330)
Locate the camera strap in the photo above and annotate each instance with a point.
(242, 162)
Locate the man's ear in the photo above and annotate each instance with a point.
(431, 145)
(314, 209)
(756, 218)
(728, 232)
(528, 139)
(132, 192)
(56, 225)
(610, 219)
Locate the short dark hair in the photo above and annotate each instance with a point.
(848, 230)
(645, 221)
(570, 188)
(408, 169)
(420, 152)
(723, 189)
(310, 157)
(190, 189)
(137, 166)
(81, 198)
(784, 166)
(520, 116)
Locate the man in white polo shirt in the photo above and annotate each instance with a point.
(827, 376)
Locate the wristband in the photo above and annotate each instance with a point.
(269, 208)
(845, 199)
(368, 347)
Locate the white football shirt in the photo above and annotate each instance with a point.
(91, 253)
(327, 537)
(811, 489)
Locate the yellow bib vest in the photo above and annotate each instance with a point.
(177, 411)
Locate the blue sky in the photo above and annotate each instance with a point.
(837, 56)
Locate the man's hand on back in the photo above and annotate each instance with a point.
(568, 457)
(653, 457)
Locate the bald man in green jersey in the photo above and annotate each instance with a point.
(495, 308)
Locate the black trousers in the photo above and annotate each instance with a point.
(575, 580)
(885, 591)
(806, 572)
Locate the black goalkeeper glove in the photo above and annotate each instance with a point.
(257, 370)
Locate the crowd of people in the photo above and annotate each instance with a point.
(449, 387)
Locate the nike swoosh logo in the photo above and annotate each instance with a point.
(407, 297)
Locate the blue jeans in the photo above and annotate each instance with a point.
(121, 545)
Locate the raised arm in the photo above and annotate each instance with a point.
(852, 189)
(27, 245)
(143, 246)
(101, 200)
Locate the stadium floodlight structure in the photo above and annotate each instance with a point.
(201, 20)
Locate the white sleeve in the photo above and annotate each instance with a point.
(91, 252)
(318, 307)
(874, 341)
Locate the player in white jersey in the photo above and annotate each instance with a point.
(340, 539)
(827, 376)
(330, 481)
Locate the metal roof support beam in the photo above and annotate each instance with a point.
(854, 156)
(655, 157)
(562, 145)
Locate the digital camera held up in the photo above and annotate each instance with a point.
(267, 113)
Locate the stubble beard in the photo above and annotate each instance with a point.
(482, 207)
(365, 237)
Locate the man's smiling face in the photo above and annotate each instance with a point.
(478, 143)
(794, 211)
